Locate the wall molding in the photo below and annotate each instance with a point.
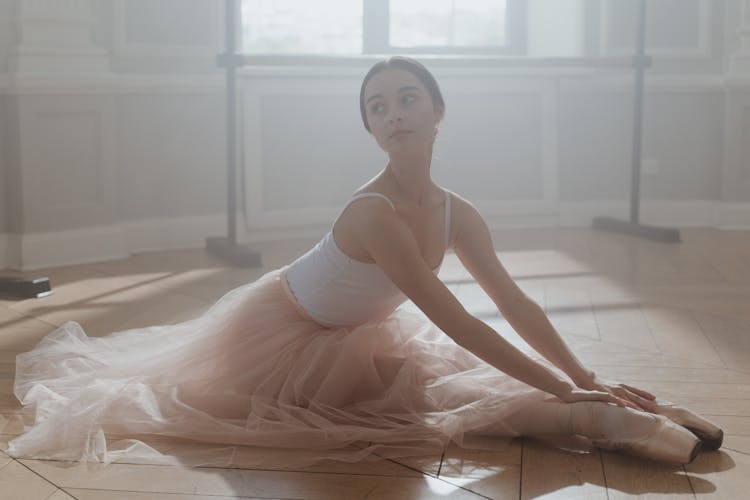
(111, 85)
(55, 37)
(78, 139)
(123, 47)
(214, 83)
(653, 84)
(260, 217)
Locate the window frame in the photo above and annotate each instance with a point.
(376, 34)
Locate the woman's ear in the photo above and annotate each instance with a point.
(440, 112)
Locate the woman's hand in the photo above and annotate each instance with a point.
(632, 396)
(575, 395)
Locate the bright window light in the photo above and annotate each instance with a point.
(337, 27)
(302, 27)
(447, 23)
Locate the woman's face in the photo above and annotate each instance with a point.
(400, 112)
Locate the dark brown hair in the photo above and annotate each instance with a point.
(414, 67)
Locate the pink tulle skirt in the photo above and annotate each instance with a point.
(253, 372)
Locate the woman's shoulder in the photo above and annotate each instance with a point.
(457, 200)
(372, 186)
(375, 189)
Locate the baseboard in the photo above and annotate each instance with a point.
(33, 251)
(734, 216)
(657, 213)
(27, 252)
(149, 235)
(4, 254)
(265, 235)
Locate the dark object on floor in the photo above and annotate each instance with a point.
(27, 288)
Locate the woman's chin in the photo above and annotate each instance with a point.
(410, 147)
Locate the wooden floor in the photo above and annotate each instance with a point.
(674, 319)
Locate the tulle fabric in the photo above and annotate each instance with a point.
(252, 372)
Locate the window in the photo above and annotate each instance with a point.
(350, 27)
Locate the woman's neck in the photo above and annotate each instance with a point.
(410, 177)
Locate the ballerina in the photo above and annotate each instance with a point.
(317, 356)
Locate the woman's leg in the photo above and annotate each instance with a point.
(595, 420)
(607, 426)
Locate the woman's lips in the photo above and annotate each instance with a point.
(400, 133)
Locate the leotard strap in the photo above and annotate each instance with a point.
(380, 195)
(447, 217)
(360, 196)
(367, 195)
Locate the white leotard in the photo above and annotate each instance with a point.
(335, 290)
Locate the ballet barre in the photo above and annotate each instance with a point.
(228, 248)
(629, 61)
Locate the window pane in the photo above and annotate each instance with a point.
(302, 26)
(451, 23)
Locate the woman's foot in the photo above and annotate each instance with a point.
(668, 442)
(636, 432)
(711, 435)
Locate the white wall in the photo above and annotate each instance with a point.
(3, 169)
(6, 39)
(732, 22)
(7, 31)
(130, 157)
(169, 155)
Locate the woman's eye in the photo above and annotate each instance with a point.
(408, 99)
(377, 108)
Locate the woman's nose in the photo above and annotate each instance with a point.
(395, 116)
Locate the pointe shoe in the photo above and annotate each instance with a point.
(711, 435)
(668, 443)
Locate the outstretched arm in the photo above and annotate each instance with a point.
(474, 248)
(393, 247)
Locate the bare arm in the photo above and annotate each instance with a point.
(394, 248)
(475, 250)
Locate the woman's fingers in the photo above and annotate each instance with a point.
(634, 400)
(631, 404)
(607, 394)
(609, 398)
(605, 397)
(638, 397)
(640, 392)
(623, 402)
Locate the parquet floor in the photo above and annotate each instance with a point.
(673, 319)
